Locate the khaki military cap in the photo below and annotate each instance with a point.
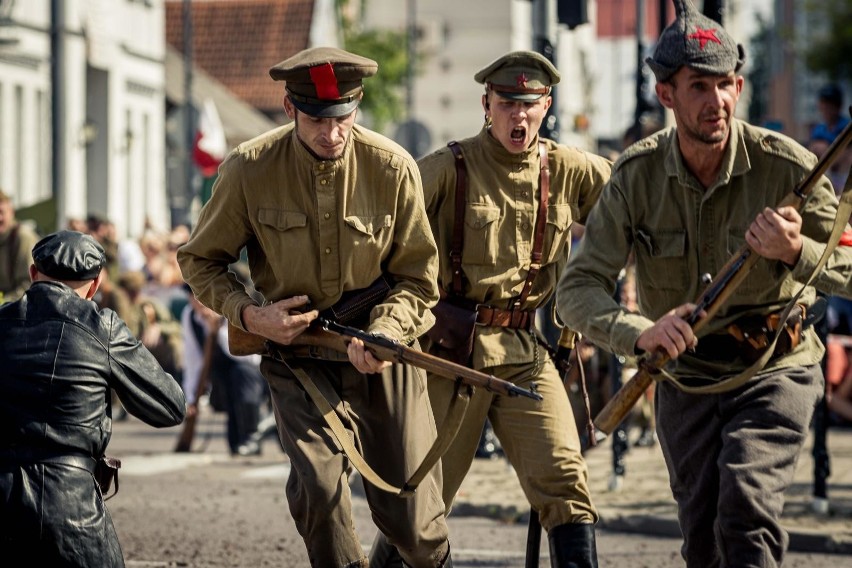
(324, 81)
(69, 255)
(696, 41)
(520, 75)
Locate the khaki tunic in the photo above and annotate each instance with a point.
(678, 231)
(322, 227)
(500, 216)
(540, 439)
(317, 227)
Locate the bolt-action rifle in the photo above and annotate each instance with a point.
(714, 296)
(331, 335)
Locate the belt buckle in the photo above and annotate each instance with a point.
(476, 309)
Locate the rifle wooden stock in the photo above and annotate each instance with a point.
(714, 296)
(334, 336)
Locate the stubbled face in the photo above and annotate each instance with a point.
(7, 215)
(325, 137)
(703, 105)
(514, 123)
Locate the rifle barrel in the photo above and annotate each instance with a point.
(387, 349)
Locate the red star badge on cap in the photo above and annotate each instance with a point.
(521, 80)
(703, 36)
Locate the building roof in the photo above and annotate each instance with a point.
(240, 120)
(237, 41)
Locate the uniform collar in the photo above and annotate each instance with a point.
(735, 162)
(503, 156)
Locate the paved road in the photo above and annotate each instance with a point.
(208, 509)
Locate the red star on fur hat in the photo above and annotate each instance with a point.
(703, 36)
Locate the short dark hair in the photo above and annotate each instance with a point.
(831, 93)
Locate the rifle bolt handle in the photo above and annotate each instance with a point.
(706, 278)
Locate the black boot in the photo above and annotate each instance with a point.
(572, 545)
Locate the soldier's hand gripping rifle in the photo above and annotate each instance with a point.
(331, 335)
(714, 296)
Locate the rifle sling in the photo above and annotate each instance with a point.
(450, 427)
(844, 210)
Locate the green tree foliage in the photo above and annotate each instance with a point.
(830, 52)
(382, 92)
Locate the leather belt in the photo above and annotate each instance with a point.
(20, 456)
(306, 352)
(513, 319)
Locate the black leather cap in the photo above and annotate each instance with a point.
(69, 255)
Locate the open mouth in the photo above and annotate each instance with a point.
(519, 134)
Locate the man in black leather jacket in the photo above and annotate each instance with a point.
(61, 356)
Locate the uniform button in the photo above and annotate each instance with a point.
(327, 250)
(524, 193)
(322, 167)
(324, 182)
(327, 215)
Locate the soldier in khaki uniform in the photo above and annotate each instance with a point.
(324, 206)
(501, 208)
(683, 201)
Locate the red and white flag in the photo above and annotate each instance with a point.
(210, 144)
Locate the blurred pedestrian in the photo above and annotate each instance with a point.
(61, 356)
(16, 243)
(834, 119)
(683, 201)
(239, 388)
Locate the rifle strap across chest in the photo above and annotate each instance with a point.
(457, 243)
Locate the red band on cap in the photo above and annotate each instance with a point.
(325, 82)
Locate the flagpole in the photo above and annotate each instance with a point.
(186, 195)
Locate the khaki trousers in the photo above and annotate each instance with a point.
(389, 419)
(731, 457)
(539, 438)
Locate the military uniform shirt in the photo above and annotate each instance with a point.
(655, 208)
(502, 200)
(317, 227)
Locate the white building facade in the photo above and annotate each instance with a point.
(87, 135)
(598, 61)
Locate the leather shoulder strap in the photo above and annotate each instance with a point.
(458, 221)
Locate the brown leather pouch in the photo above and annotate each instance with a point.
(453, 330)
(753, 334)
(106, 471)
